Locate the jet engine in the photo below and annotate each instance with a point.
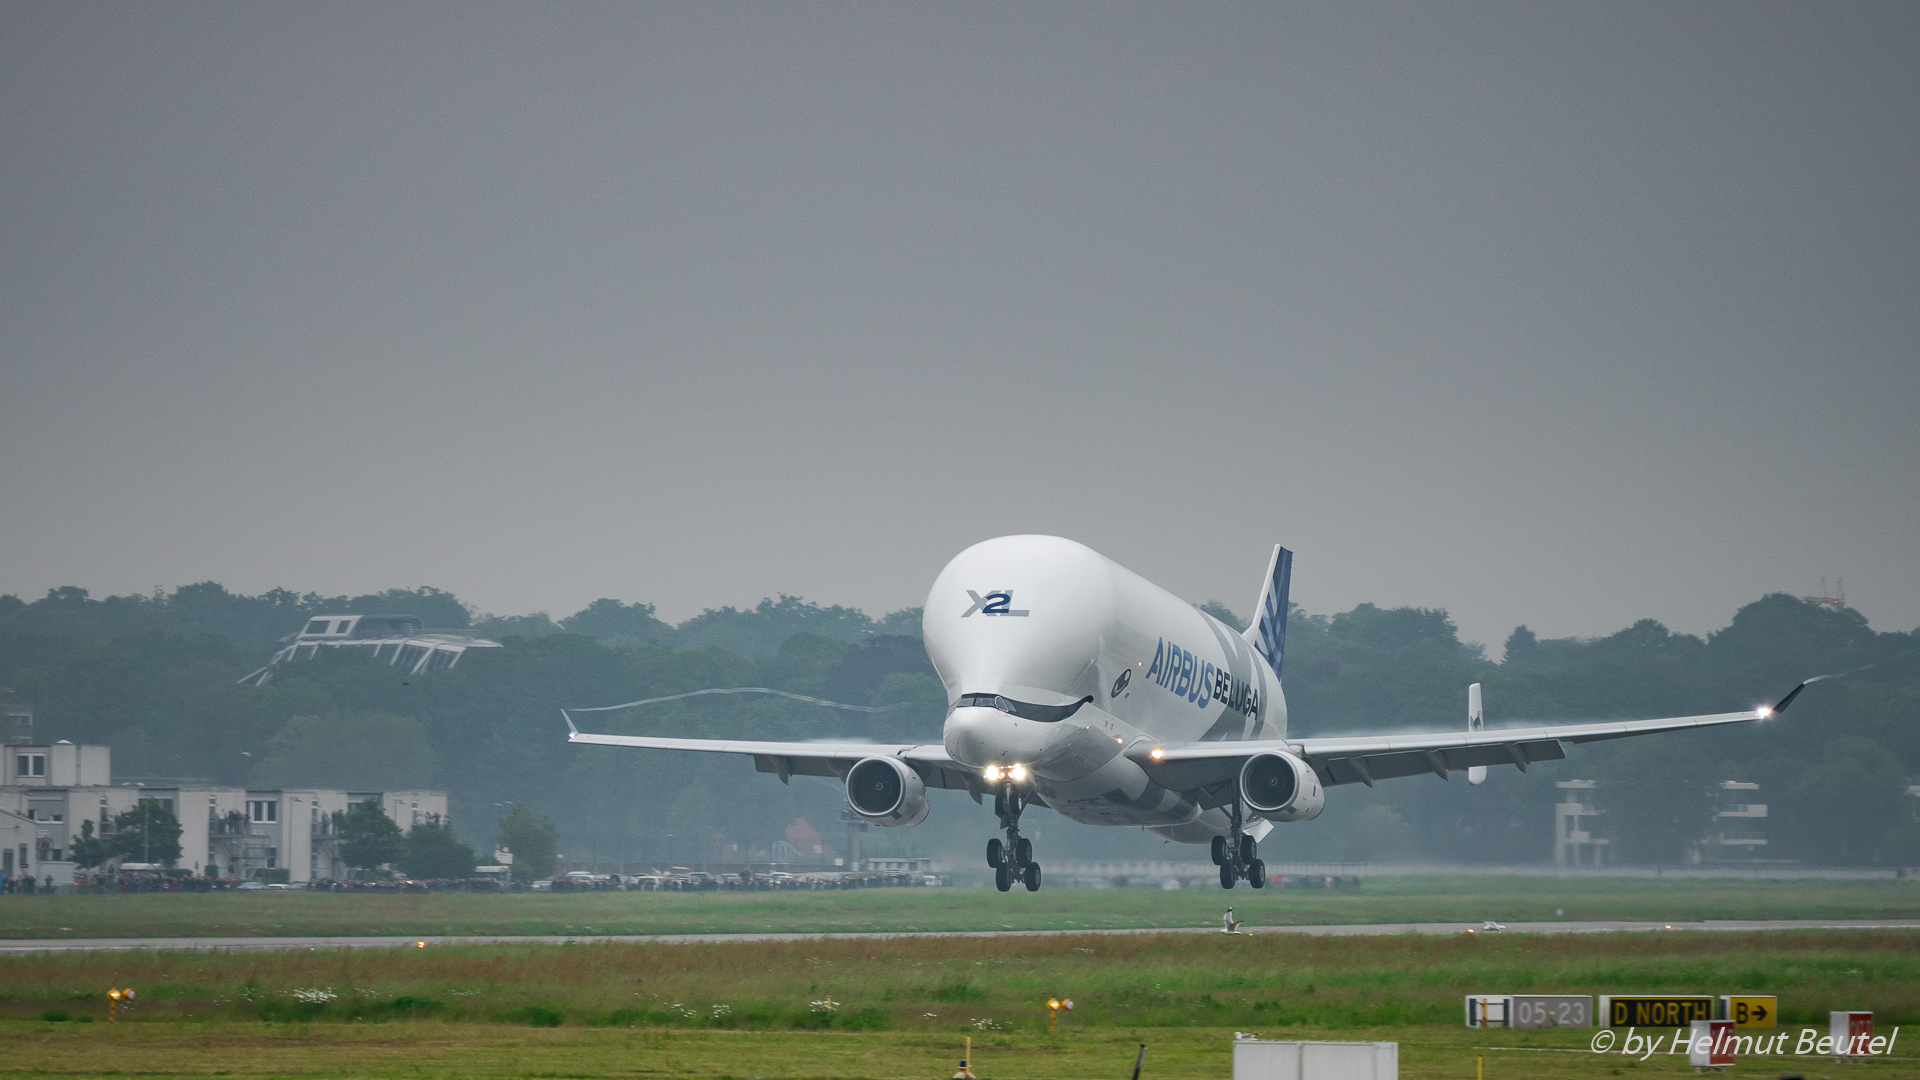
(1281, 787)
(887, 792)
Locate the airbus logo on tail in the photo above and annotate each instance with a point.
(998, 602)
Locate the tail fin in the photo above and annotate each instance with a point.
(1476, 721)
(1268, 634)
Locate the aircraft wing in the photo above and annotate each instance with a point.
(788, 759)
(1211, 768)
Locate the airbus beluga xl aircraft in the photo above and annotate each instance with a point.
(1077, 684)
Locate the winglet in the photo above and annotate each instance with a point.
(571, 730)
(1268, 634)
(1781, 705)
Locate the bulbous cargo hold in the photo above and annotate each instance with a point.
(887, 792)
(1046, 623)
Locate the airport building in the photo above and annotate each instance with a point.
(16, 845)
(46, 792)
(1574, 840)
(1738, 832)
(1740, 824)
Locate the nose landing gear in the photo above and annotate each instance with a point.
(1238, 855)
(1012, 860)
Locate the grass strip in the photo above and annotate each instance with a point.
(1380, 900)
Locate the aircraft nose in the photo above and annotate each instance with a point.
(980, 737)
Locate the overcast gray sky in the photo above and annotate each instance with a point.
(1565, 314)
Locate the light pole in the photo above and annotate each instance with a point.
(498, 843)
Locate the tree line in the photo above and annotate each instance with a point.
(155, 677)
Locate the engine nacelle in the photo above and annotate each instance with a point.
(887, 792)
(1281, 787)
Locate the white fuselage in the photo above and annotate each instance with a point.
(1041, 623)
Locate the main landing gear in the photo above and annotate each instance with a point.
(1238, 856)
(1012, 860)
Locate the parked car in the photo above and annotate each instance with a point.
(250, 886)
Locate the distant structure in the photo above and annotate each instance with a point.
(1837, 598)
(1573, 841)
(1740, 823)
(1738, 832)
(399, 640)
(291, 834)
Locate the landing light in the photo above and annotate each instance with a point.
(1156, 753)
(991, 774)
(1017, 773)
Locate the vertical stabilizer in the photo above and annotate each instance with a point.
(1476, 721)
(1268, 634)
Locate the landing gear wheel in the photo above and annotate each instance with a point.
(1227, 875)
(1219, 851)
(1012, 858)
(1247, 848)
(1257, 874)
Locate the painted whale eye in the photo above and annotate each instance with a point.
(1120, 684)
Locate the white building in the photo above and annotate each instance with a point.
(1574, 843)
(224, 831)
(60, 764)
(16, 844)
(1740, 823)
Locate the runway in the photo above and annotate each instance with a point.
(258, 944)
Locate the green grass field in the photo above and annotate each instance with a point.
(1409, 899)
(986, 984)
(901, 1007)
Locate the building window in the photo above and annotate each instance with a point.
(263, 810)
(30, 765)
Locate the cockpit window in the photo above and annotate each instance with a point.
(1025, 710)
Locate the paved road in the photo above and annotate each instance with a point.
(1351, 930)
